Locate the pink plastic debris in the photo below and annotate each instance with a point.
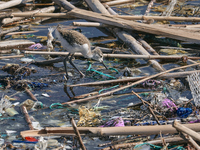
(196, 121)
(118, 122)
(36, 46)
(169, 104)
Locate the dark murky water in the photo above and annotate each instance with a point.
(59, 93)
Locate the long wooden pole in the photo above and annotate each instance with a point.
(128, 56)
(157, 18)
(98, 131)
(132, 79)
(148, 28)
(12, 3)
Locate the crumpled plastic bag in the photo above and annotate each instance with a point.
(88, 117)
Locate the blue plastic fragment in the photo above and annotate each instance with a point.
(19, 141)
(184, 112)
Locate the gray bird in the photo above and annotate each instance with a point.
(73, 41)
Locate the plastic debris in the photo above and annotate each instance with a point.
(45, 95)
(169, 104)
(11, 111)
(118, 122)
(42, 144)
(36, 46)
(184, 112)
(153, 84)
(88, 117)
(4, 104)
(28, 104)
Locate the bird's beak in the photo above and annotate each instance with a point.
(104, 65)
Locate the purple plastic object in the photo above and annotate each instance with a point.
(169, 104)
(196, 121)
(36, 46)
(118, 122)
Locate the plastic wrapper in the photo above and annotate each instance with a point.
(88, 117)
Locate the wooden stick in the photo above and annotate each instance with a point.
(41, 4)
(130, 85)
(126, 17)
(15, 56)
(13, 29)
(28, 120)
(117, 2)
(149, 7)
(186, 130)
(149, 107)
(90, 24)
(178, 34)
(12, 3)
(107, 131)
(128, 56)
(193, 143)
(131, 79)
(77, 134)
(31, 94)
(46, 10)
(173, 140)
(15, 44)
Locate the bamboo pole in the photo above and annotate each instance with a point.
(192, 142)
(12, 3)
(13, 29)
(8, 57)
(90, 24)
(117, 2)
(131, 79)
(130, 85)
(9, 44)
(22, 15)
(186, 130)
(171, 140)
(77, 134)
(128, 56)
(126, 17)
(107, 131)
(178, 34)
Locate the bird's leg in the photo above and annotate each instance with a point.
(70, 61)
(65, 64)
